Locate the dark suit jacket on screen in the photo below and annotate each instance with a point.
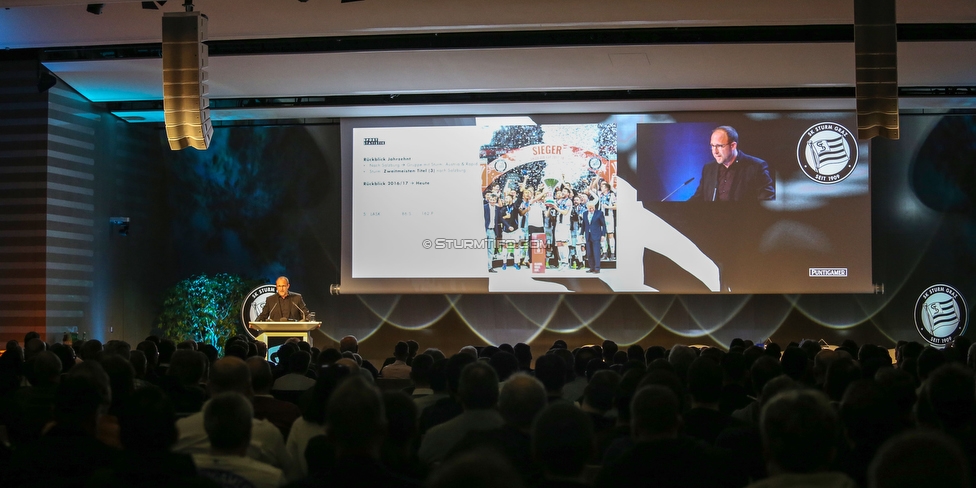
(752, 181)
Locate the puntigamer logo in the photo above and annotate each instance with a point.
(941, 314)
(827, 153)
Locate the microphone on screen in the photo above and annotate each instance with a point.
(678, 188)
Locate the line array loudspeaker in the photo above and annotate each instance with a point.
(186, 106)
(876, 68)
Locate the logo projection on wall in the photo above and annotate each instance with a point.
(941, 314)
(253, 305)
(827, 153)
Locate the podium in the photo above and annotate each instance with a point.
(284, 329)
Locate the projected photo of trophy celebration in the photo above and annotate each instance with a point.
(549, 198)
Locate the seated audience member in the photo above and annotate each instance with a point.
(505, 365)
(230, 374)
(266, 407)
(598, 399)
(470, 351)
(398, 369)
(147, 427)
(920, 458)
(570, 391)
(446, 408)
(929, 360)
(550, 370)
(351, 344)
(121, 380)
(800, 431)
(868, 417)
(434, 353)
(227, 418)
(166, 349)
(796, 365)
(182, 381)
(481, 468)
(357, 427)
(28, 409)
(841, 373)
(11, 368)
(946, 401)
(619, 435)
(139, 364)
(609, 350)
(681, 357)
(521, 399)
(704, 420)
(763, 369)
(66, 354)
(734, 394)
(399, 450)
(635, 353)
(295, 379)
(68, 452)
(524, 355)
(899, 387)
(573, 389)
(420, 376)
(660, 454)
(478, 395)
(151, 351)
(562, 441)
(412, 348)
(436, 381)
(32, 348)
(312, 421)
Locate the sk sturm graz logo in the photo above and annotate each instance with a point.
(941, 314)
(254, 304)
(827, 152)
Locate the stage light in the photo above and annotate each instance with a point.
(95, 8)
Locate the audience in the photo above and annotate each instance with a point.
(266, 407)
(227, 419)
(804, 415)
(266, 444)
(801, 433)
(398, 369)
(478, 395)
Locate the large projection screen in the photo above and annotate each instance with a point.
(438, 204)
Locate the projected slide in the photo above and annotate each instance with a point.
(699, 203)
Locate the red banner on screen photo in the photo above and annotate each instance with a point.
(537, 249)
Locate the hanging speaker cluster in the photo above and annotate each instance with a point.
(876, 68)
(186, 106)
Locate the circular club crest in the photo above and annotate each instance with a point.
(254, 304)
(595, 163)
(500, 165)
(941, 314)
(827, 153)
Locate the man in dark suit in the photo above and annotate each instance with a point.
(493, 227)
(735, 176)
(594, 227)
(283, 305)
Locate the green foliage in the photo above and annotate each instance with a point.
(204, 308)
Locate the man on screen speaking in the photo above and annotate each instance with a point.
(283, 305)
(734, 176)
